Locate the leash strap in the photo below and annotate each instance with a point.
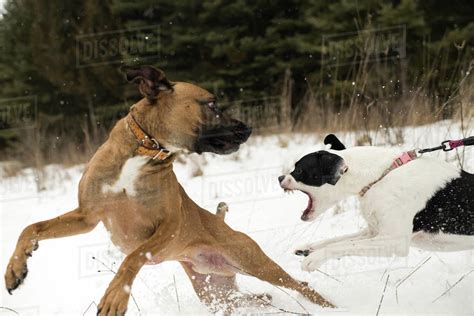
(449, 145)
(147, 145)
(411, 155)
(401, 160)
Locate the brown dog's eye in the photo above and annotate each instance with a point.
(214, 108)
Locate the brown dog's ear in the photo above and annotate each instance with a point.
(150, 80)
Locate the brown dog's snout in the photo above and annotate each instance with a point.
(224, 138)
(241, 131)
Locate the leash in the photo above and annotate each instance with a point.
(411, 155)
(449, 145)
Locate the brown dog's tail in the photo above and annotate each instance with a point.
(222, 208)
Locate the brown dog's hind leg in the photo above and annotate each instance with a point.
(72, 223)
(251, 260)
(212, 290)
(220, 293)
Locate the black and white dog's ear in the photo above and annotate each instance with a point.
(335, 143)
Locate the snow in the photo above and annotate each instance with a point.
(64, 279)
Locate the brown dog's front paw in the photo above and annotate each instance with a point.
(16, 273)
(17, 269)
(115, 301)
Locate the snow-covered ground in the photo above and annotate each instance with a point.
(63, 278)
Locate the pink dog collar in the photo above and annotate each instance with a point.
(404, 158)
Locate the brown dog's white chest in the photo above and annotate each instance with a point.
(129, 208)
(129, 174)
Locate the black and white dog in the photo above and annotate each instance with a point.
(427, 202)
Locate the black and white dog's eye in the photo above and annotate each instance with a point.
(297, 171)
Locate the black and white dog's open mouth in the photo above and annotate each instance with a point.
(308, 212)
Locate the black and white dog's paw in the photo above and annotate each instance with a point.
(313, 261)
(302, 252)
(307, 249)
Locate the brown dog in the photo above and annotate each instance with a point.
(129, 185)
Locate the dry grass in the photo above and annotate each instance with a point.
(387, 110)
(37, 149)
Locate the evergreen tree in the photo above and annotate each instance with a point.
(238, 49)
